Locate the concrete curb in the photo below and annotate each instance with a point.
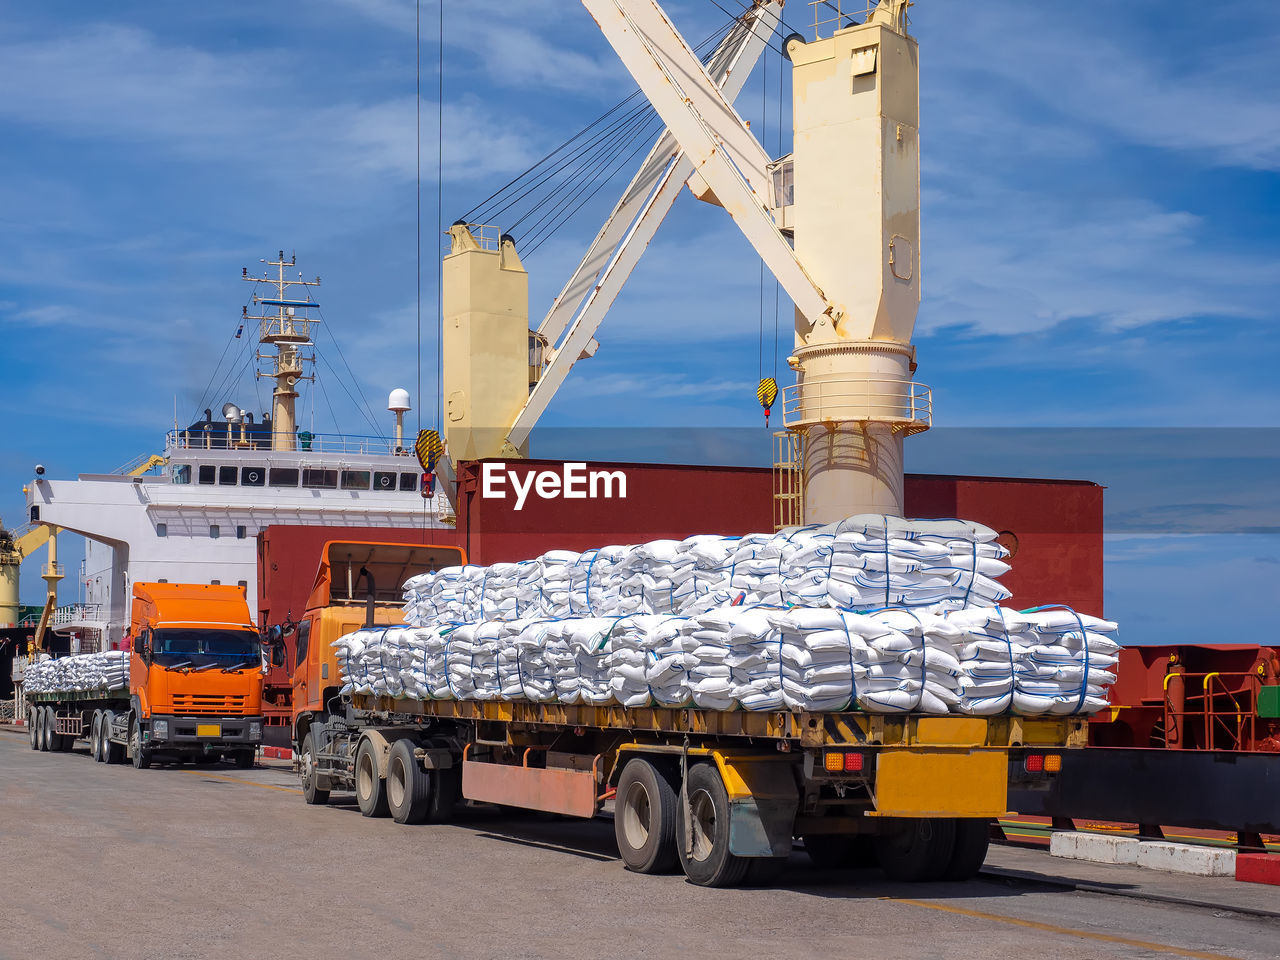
(1084, 886)
(1093, 847)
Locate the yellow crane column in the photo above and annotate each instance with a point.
(856, 216)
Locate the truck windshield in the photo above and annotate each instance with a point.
(201, 646)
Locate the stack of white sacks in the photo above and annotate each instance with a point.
(84, 673)
(861, 563)
(879, 614)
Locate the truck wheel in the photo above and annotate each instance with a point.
(95, 737)
(141, 755)
(308, 768)
(446, 792)
(33, 726)
(47, 741)
(970, 850)
(408, 785)
(644, 818)
(244, 759)
(708, 863)
(916, 849)
(111, 752)
(371, 789)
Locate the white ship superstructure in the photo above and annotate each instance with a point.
(220, 482)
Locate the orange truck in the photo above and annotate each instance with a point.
(195, 685)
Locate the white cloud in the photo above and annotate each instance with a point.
(122, 84)
(1209, 89)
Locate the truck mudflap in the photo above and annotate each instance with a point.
(763, 802)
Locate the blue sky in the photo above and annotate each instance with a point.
(1101, 246)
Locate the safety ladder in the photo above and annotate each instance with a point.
(788, 479)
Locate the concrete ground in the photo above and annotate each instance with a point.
(99, 861)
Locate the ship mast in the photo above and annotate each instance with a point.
(289, 332)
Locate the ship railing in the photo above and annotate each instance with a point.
(487, 236)
(77, 612)
(831, 16)
(906, 406)
(303, 441)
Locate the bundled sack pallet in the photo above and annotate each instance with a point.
(83, 673)
(813, 659)
(860, 563)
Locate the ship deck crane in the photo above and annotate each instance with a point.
(848, 255)
(15, 547)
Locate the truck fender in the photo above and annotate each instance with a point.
(763, 802)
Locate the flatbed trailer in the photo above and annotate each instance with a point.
(110, 721)
(723, 793)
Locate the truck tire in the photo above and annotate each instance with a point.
(33, 726)
(244, 759)
(46, 730)
(709, 863)
(446, 793)
(307, 768)
(408, 785)
(371, 789)
(111, 752)
(916, 849)
(644, 818)
(95, 737)
(970, 850)
(141, 755)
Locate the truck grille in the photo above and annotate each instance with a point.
(203, 704)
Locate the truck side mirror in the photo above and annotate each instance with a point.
(274, 640)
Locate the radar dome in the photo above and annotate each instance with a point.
(398, 402)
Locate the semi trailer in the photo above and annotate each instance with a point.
(722, 794)
(194, 688)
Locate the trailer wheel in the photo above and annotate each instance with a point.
(141, 755)
(47, 742)
(644, 818)
(446, 792)
(33, 726)
(708, 862)
(916, 849)
(408, 785)
(371, 789)
(308, 768)
(970, 850)
(111, 752)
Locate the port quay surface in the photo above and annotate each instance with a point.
(94, 867)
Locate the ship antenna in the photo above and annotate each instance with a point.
(289, 331)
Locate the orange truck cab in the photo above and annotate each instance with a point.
(195, 674)
(357, 584)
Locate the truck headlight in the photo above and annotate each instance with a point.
(255, 730)
(159, 729)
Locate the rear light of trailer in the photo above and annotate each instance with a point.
(839, 761)
(1042, 763)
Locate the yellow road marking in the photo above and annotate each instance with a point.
(251, 783)
(1064, 931)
